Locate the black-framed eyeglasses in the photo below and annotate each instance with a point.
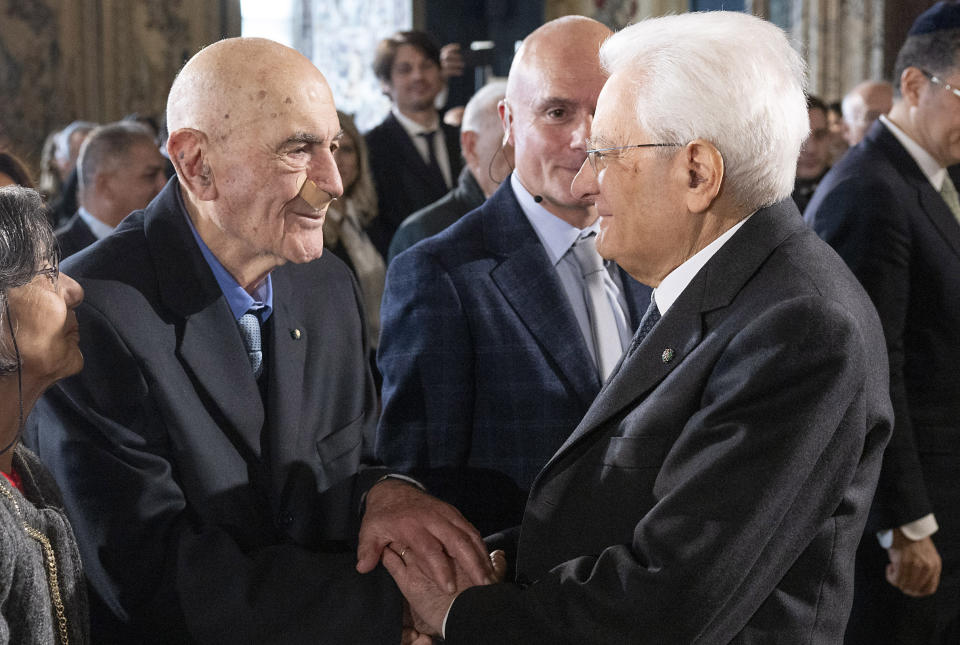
(937, 81)
(598, 158)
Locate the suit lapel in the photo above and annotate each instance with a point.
(682, 328)
(286, 376)
(210, 346)
(929, 199)
(529, 283)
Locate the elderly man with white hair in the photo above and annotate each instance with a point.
(716, 489)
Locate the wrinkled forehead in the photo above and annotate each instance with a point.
(277, 107)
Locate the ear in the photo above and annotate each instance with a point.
(101, 184)
(468, 146)
(912, 82)
(703, 173)
(506, 118)
(188, 150)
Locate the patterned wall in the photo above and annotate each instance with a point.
(340, 38)
(62, 60)
(842, 40)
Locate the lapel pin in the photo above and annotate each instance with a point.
(295, 334)
(667, 355)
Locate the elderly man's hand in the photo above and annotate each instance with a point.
(914, 565)
(416, 523)
(429, 603)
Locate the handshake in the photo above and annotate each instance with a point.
(431, 551)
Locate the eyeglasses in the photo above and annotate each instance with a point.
(936, 81)
(598, 159)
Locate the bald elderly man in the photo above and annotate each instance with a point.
(215, 453)
(862, 106)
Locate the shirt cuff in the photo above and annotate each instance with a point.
(443, 626)
(403, 478)
(916, 530)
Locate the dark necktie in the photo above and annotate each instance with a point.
(250, 332)
(650, 318)
(433, 165)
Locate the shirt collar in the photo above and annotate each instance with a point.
(930, 167)
(237, 297)
(411, 127)
(677, 280)
(99, 229)
(556, 235)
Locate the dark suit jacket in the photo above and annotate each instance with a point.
(74, 236)
(717, 488)
(432, 219)
(202, 514)
(404, 182)
(482, 359)
(66, 204)
(881, 214)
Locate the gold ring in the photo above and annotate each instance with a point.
(403, 551)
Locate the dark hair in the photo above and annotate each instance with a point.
(816, 103)
(108, 144)
(935, 52)
(14, 168)
(27, 245)
(145, 120)
(387, 51)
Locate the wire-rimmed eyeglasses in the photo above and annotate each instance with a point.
(598, 159)
(937, 81)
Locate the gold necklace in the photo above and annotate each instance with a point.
(49, 560)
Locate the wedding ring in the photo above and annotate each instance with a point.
(403, 552)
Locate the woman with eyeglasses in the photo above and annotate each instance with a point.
(42, 589)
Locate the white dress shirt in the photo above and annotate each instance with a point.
(414, 129)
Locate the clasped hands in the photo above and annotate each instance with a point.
(430, 549)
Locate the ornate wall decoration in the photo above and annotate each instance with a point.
(342, 37)
(96, 59)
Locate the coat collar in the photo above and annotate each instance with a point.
(681, 328)
(530, 284)
(209, 343)
(928, 199)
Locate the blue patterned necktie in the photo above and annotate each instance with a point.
(650, 318)
(250, 332)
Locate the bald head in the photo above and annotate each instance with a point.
(863, 105)
(252, 126)
(234, 81)
(551, 96)
(553, 46)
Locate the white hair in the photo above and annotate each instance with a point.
(62, 147)
(481, 114)
(729, 78)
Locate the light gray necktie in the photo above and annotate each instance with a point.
(250, 332)
(601, 297)
(949, 193)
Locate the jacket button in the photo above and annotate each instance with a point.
(285, 520)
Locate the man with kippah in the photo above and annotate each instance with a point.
(890, 209)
